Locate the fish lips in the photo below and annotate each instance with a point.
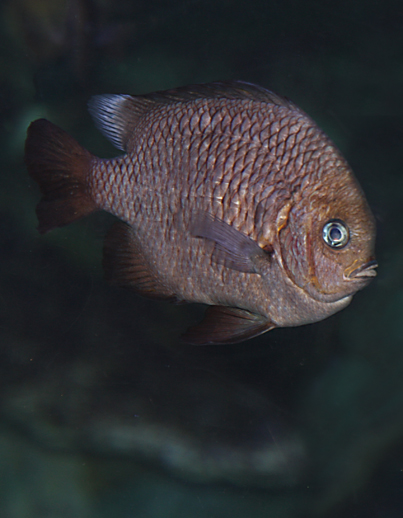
(365, 272)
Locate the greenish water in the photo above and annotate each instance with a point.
(103, 412)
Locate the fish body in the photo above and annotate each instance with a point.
(228, 195)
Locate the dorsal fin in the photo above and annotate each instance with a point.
(117, 115)
(216, 90)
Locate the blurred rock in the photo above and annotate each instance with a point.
(208, 431)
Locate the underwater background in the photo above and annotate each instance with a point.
(103, 411)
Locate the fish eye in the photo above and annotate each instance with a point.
(335, 233)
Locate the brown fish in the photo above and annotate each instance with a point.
(229, 195)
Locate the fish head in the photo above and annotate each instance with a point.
(327, 246)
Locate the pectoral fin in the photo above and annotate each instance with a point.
(232, 248)
(225, 325)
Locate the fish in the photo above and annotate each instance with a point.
(226, 194)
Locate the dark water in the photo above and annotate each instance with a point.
(102, 411)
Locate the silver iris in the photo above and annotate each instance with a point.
(335, 233)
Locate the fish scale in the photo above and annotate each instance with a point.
(229, 195)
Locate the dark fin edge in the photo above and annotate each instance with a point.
(126, 266)
(61, 168)
(226, 325)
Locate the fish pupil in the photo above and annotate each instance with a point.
(335, 233)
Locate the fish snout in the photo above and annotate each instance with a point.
(365, 271)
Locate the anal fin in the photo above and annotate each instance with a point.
(226, 325)
(125, 264)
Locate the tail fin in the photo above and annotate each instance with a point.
(61, 167)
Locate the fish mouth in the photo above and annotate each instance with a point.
(365, 271)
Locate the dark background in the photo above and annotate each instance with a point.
(103, 412)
